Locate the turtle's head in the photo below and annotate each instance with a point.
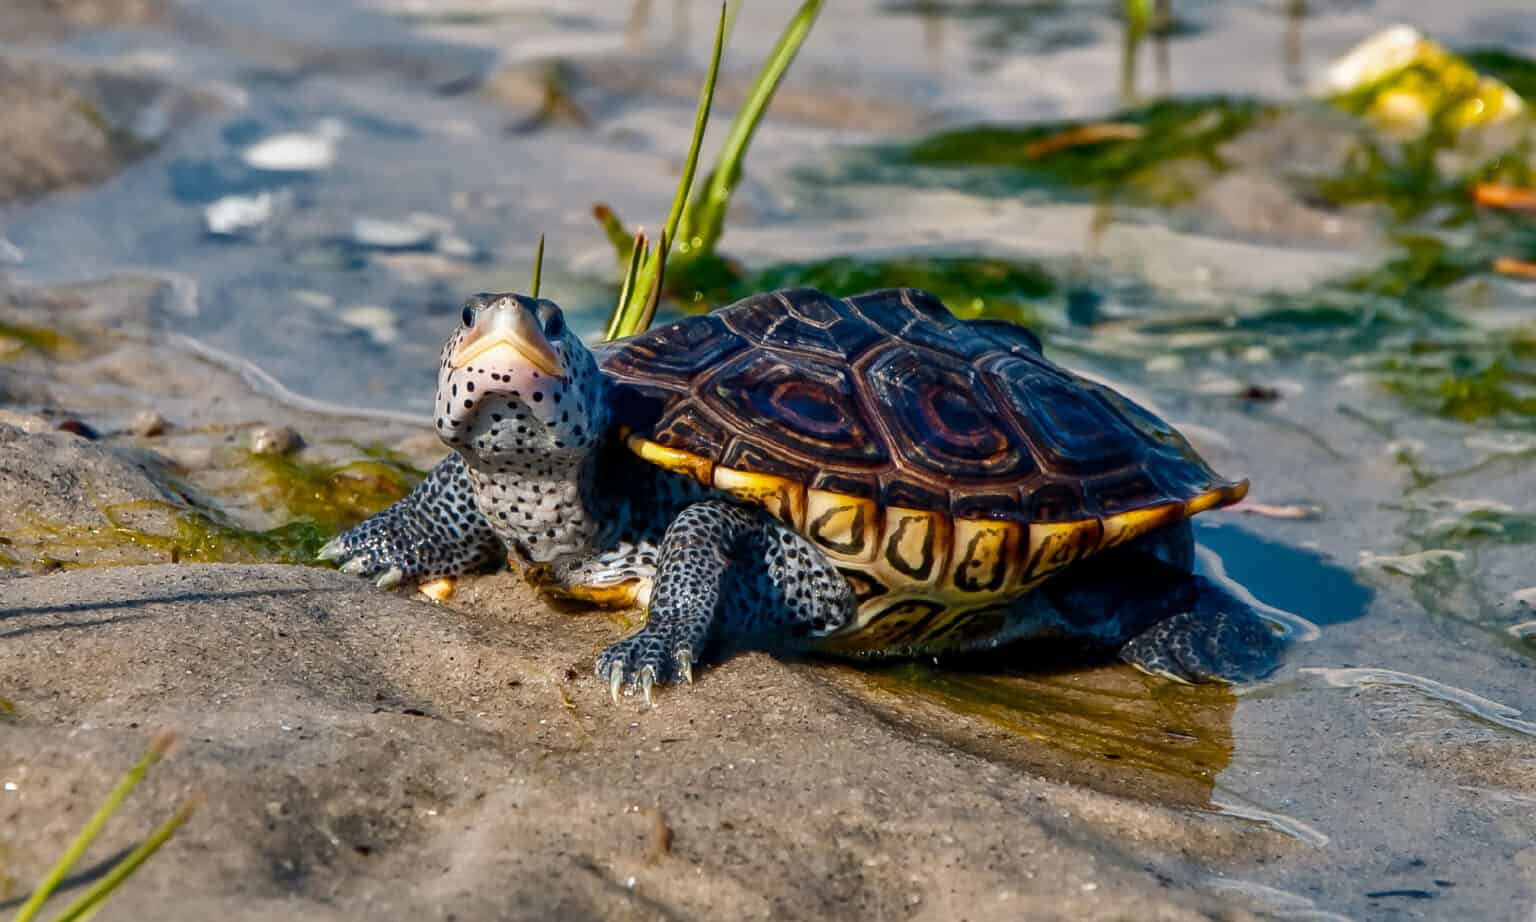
(516, 389)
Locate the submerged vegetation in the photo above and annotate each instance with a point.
(1126, 155)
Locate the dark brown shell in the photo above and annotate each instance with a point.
(887, 396)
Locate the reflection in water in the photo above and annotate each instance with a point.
(1108, 727)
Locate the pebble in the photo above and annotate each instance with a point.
(391, 235)
(378, 322)
(297, 151)
(233, 215)
(147, 423)
(1412, 564)
(275, 440)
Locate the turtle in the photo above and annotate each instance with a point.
(861, 476)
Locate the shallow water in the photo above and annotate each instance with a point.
(1394, 749)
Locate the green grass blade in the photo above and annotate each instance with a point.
(538, 268)
(705, 221)
(634, 309)
(653, 298)
(90, 901)
(157, 750)
(621, 312)
(700, 122)
(613, 229)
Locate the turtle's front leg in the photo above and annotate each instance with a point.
(435, 531)
(727, 575)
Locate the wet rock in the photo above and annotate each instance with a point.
(275, 440)
(54, 19)
(58, 490)
(62, 127)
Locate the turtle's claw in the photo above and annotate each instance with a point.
(684, 659)
(354, 566)
(615, 680)
(647, 682)
(334, 549)
(390, 578)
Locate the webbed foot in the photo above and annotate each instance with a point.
(1207, 645)
(434, 532)
(643, 660)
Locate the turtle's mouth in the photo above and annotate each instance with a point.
(509, 329)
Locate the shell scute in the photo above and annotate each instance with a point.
(915, 448)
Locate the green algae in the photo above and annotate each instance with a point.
(314, 501)
(1130, 160)
(329, 497)
(1472, 383)
(193, 536)
(972, 287)
(16, 338)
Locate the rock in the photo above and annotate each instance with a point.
(148, 424)
(296, 151)
(275, 440)
(54, 19)
(362, 754)
(63, 127)
(233, 215)
(58, 492)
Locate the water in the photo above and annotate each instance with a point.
(1393, 751)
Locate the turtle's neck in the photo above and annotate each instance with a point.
(544, 511)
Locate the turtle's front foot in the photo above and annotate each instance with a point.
(434, 532)
(644, 660)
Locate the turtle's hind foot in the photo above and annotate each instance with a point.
(1208, 644)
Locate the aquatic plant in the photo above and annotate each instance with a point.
(1123, 155)
(90, 902)
(695, 225)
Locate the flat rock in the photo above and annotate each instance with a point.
(365, 755)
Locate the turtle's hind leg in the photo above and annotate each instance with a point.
(731, 576)
(1142, 600)
(1218, 638)
(435, 531)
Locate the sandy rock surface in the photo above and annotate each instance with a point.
(366, 755)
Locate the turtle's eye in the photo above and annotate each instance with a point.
(468, 316)
(550, 317)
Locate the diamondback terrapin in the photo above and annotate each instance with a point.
(868, 475)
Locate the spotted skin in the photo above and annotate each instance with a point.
(437, 530)
(734, 575)
(747, 545)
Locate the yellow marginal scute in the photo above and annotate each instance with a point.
(1215, 499)
(915, 545)
(781, 496)
(675, 460)
(986, 556)
(843, 526)
(1054, 545)
(1128, 526)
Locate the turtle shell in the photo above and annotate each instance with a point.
(949, 455)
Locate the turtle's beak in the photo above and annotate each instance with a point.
(509, 327)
